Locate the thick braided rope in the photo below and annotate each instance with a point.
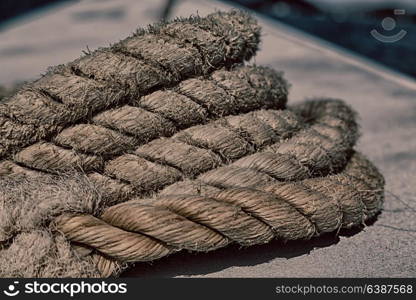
(160, 56)
(140, 230)
(323, 147)
(251, 200)
(324, 129)
(184, 149)
(99, 146)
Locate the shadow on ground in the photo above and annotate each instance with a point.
(196, 263)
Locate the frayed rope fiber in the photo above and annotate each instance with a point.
(164, 142)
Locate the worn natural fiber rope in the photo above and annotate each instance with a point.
(158, 57)
(140, 230)
(183, 148)
(254, 205)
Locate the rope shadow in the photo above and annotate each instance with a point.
(196, 263)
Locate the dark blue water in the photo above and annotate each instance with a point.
(10, 9)
(384, 33)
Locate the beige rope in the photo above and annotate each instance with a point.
(140, 230)
(159, 57)
(183, 148)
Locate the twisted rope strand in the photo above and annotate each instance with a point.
(292, 210)
(287, 211)
(204, 147)
(125, 128)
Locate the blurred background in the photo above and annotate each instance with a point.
(380, 30)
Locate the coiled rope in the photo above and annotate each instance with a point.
(211, 159)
